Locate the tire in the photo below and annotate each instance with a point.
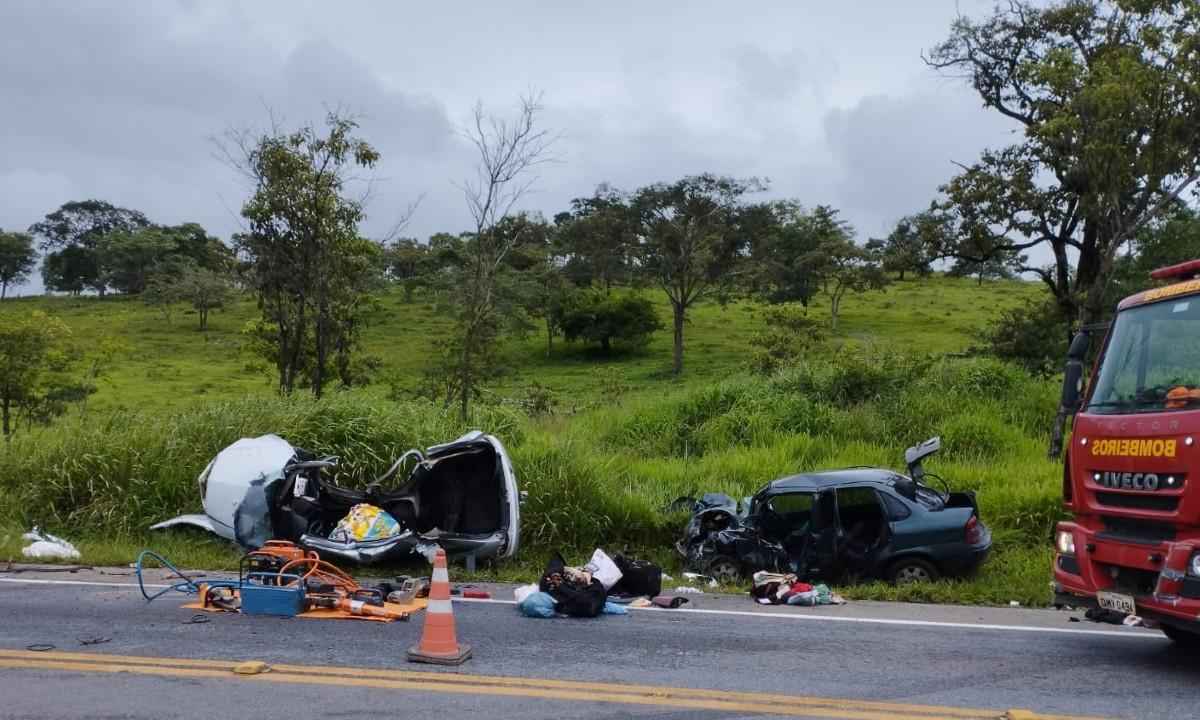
(1183, 639)
(724, 569)
(912, 569)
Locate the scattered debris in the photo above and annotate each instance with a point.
(252, 667)
(777, 589)
(670, 602)
(45, 546)
(93, 640)
(40, 647)
(686, 590)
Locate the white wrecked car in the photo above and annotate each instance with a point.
(461, 495)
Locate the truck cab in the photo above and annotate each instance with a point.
(1131, 480)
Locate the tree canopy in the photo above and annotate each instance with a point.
(17, 259)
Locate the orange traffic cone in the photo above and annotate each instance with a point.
(438, 642)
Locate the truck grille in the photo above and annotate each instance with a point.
(1164, 503)
(1143, 532)
(1134, 581)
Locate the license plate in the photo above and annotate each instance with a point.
(1116, 602)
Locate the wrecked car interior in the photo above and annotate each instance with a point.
(461, 495)
(842, 525)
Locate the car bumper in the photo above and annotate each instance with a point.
(1161, 589)
(966, 563)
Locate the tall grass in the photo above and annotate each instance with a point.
(604, 477)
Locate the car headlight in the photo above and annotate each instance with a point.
(1065, 542)
(1194, 565)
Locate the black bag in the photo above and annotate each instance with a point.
(638, 577)
(573, 598)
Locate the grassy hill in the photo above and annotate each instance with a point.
(600, 471)
(165, 363)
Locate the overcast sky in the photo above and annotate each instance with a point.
(830, 101)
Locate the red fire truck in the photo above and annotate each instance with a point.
(1131, 479)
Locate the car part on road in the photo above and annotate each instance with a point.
(461, 496)
(858, 523)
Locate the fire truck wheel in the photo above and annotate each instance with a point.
(1182, 638)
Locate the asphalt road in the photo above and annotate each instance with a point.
(863, 660)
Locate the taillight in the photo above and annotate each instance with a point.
(974, 532)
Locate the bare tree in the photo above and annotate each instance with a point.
(509, 151)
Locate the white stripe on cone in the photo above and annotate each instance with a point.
(439, 606)
(441, 575)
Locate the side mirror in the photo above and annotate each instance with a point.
(1072, 392)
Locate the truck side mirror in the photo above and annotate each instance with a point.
(1072, 392)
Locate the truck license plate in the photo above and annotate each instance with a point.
(1116, 602)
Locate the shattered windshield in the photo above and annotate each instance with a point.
(1152, 362)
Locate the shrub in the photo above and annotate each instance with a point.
(1033, 335)
(599, 317)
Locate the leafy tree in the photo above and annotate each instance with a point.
(306, 261)
(205, 290)
(905, 250)
(78, 227)
(783, 237)
(129, 258)
(1106, 93)
(690, 243)
(508, 150)
(72, 270)
(31, 349)
(1173, 239)
(601, 317)
(598, 238)
(409, 263)
(844, 267)
(17, 258)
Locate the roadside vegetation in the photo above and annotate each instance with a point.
(794, 342)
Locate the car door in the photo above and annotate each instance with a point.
(823, 560)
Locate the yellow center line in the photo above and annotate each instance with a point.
(764, 703)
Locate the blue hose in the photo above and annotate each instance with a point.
(187, 587)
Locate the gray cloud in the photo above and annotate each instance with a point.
(118, 100)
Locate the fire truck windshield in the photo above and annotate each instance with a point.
(1152, 362)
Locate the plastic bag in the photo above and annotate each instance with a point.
(538, 605)
(612, 608)
(365, 522)
(523, 592)
(48, 547)
(603, 569)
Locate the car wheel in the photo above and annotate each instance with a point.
(911, 570)
(724, 570)
(1182, 638)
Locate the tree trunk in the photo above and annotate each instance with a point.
(3, 289)
(203, 319)
(901, 277)
(4, 410)
(834, 307)
(680, 311)
(605, 344)
(549, 337)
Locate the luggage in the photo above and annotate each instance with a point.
(638, 578)
(577, 593)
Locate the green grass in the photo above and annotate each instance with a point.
(601, 470)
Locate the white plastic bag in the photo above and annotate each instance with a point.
(523, 592)
(603, 569)
(48, 547)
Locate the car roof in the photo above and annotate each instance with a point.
(832, 478)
